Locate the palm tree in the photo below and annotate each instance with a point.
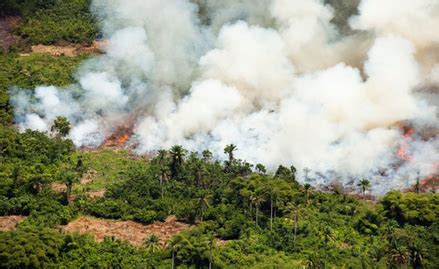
(80, 167)
(417, 186)
(297, 213)
(211, 240)
(327, 235)
(229, 149)
(416, 255)
(398, 254)
(69, 179)
(174, 243)
(256, 200)
(199, 171)
(152, 243)
(177, 158)
(307, 188)
(204, 198)
(162, 158)
(364, 184)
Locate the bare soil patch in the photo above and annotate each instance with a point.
(69, 50)
(130, 231)
(7, 38)
(58, 187)
(96, 194)
(9, 223)
(88, 177)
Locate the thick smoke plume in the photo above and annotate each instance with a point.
(278, 78)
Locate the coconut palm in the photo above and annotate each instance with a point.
(229, 149)
(152, 243)
(295, 212)
(307, 188)
(177, 153)
(162, 158)
(364, 184)
(416, 255)
(256, 201)
(199, 172)
(204, 198)
(174, 243)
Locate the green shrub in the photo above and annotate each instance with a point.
(63, 20)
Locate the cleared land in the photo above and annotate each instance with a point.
(130, 231)
(9, 223)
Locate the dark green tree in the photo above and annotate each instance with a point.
(364, 184)
(61, 126)
(177, 153)
(229, 150)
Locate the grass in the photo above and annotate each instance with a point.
(109, 165)
(31, 71)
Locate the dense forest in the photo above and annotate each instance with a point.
(241, 216)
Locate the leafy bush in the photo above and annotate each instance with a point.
(412, 208)
(61, 20)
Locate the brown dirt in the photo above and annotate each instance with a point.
(58, 187)
(69, 50)
(7, 24)
(130, 231)
(88, 177)
(8, 223)
(96, 194)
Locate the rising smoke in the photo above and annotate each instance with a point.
(278, 78)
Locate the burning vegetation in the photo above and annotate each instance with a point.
(427, 183)
(119, 138)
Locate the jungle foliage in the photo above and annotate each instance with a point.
(243, 216)
(263, 219)
(51, 21)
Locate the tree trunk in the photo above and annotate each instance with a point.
(295, 228)
(161, 185)
(69, 186)
(257, 211)
(271, 212)
(202, 214)
(173, 258)
(210, 254)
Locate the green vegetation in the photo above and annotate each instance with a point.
(243, 217)
(263, 220)
(30, 71)
(51, 21)
(106, 166)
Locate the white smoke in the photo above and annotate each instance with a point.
(275, 77)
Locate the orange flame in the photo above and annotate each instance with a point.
(407, 137)
(119, 137)
(123, 139)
